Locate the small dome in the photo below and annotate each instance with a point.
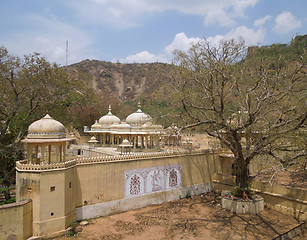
(151, 127)
(138, 118)
(123, 127)
(125, 143)
(46, 128)
(93, 140)
(147, 125)
(114, 126)
(109, 119)
(96, 125)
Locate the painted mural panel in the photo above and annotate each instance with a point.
(149, 180)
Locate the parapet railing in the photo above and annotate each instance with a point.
(24, 166)
(84, 160)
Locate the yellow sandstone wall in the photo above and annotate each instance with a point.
(287, 200)
(52, 193)
(290, 201)
(92, 187)
(102, 182)
(16, 220)
(60, 191)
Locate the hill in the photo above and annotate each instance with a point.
(123, 85)
(297, 46)
(125, 82)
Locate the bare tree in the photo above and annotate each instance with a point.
(253, 105)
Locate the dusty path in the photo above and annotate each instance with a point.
(199, 218)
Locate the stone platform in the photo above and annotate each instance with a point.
(241, 206)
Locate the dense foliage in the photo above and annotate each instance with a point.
(30, 88)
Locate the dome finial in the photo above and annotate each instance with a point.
(110, 108)
(139, 104)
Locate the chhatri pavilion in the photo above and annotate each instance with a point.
(138, 129)
(46, 141)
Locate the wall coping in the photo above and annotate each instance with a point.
(265, 188)
(16, 204)
(25, 167)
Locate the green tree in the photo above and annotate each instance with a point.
(252, 106)
(29, 88)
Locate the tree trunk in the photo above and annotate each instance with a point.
(241, 172)
(7, 194)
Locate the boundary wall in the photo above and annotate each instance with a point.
(85, 188)
(16, 220)
(290, 201)
(97, 186)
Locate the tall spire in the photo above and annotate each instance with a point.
(110, 113)
(139, 107)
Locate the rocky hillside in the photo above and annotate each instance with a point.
(120, 83)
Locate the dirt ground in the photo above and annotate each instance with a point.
(201, 217)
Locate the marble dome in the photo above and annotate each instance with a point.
(46, 128)
(109, 119)
(123, 127)
(138, 118)
(96, 125)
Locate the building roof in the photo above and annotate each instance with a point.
(138, 118)
(46, 128)
(93, 140)
(96, 125)
(107, 120)
(136, 123)
(125, 143)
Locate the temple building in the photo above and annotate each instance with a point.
(138, 129)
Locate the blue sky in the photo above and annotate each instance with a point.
(142, 30)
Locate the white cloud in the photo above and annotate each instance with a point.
(114, 11)
(215, 39)
(261, 21)
(251, 37)
(219, 16)
(286, 22)
(181, 42)
(128, 13)
(143, 57)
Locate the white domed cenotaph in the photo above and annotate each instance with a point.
(137, 129)
(46, 141)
